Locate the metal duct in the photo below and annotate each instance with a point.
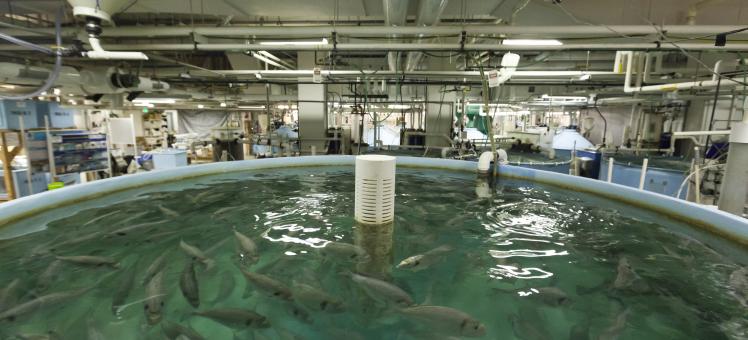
(395, 14)
(429, 12)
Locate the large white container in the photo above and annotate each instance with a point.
(170, 158)
(375, 189)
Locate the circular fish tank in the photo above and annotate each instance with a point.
(269, 249)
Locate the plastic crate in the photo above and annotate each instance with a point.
(11, 110)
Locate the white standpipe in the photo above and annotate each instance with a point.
(484, 162)
(611, 162)
(375, 189)
(643, 175)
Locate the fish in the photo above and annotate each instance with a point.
(124, 231)
(188, 284)
(316, 299)
(423, 261)
(99, 218)
(382, 290)
(174, 331)
(247, 248)
(738, 281)
(48, 276)
(74, 241)
(51, 335)
(126, 281)
(550, 296)
(9, 294)
(155, 267)
(580, 331)
(42, 301)
(225, 287)
(235, 317)
(446, 319)
(268, 285)
(154, 305)
(90, 260)
(224, 210)
(168, 212)
(196, 253)
(344, 252)
(614, 330)
(628, 279)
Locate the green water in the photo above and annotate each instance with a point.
(527, 261)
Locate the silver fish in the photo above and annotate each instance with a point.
(155, 304)
(344, 252)
(175, 331)
(247, 248)
(74, 241)
(124, 231)
(188, 284)
(48, 276)
(425, 260)
(42, 301)
(9, 294)
(383, 290)
(195, 253)
(168, 212)
(155, 267)
(235, 317)
(615, 329)
(628, 279)
(51, 335)
(226, 286)
(268, 285)
(448, 320)
(738, 281)
(90, 260)
(126, 281)
(99, 218)
(551, 296)
(316, 299)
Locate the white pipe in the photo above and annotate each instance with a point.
(692, 134)
(301, 73)
(714, 82)
(484, 162)
(610, 170)
(405, 47)
(697, 191)
(643, 174)
(546, 32)
(99, 53)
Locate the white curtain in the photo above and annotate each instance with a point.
(200, 122)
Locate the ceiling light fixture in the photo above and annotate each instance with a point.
(223, 104)
(200, 106)
(267, 60)
(56, 91)
(155, 100)
(258, 76)
(250, 107)
(531, 42)
(295, 43)
(7, 86)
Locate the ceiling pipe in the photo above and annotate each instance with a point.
(395, 14)
(409, 47)
(547, 32)
(429, 12)
(627, 88)
(460, 74)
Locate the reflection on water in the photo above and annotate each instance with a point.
(278, 256)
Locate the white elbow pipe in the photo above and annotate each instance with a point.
(484, 162)
(99, 53)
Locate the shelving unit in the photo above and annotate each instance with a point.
(73, 151)
(6, 156)
(154, 131)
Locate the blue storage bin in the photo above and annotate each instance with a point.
(11, 110)
(59, 117)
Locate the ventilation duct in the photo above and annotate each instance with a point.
(395, 14)
(429, 12)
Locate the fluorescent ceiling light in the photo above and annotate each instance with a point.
(531, 42)
(223, 104)
(585, 76)
(7, 86)
(250, 107)
(267, 60)
(258, 76)
(155, 100)
(56, 91)
(200, 106)
(296, 43)
(145, 104)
